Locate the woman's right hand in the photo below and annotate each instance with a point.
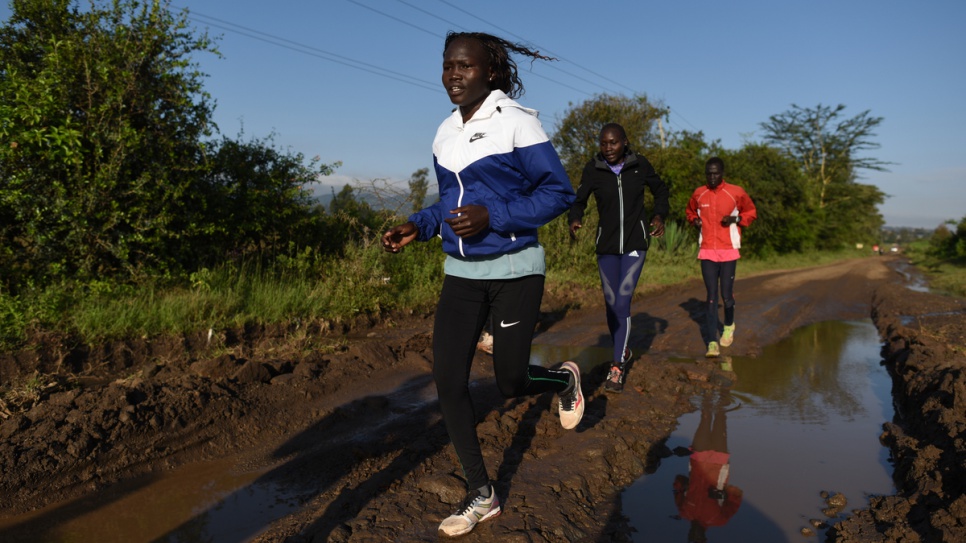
(399, 236)
(574, 226)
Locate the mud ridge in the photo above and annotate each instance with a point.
(924, 337)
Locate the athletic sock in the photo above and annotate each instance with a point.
(484, 490)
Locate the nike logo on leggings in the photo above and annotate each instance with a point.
(507, 325)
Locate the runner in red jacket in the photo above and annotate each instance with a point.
(721, 210)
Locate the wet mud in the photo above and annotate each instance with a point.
(344, 418)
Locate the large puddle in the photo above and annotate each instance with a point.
(799, 423)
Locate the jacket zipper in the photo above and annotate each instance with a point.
(459, 202)
(620, 201)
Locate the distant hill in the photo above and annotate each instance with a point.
(904, 234)
(377, 199)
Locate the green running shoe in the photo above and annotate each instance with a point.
(713, 351)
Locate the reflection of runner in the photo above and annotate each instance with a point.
(705, 497)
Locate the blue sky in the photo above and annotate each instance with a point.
(358, 81)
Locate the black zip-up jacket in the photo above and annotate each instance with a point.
(623, 224)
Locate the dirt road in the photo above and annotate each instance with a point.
(350, 422)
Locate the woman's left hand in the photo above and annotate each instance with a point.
(657, 226)
(469, 221)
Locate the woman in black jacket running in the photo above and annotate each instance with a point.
(617, 177)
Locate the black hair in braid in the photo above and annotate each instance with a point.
(498, 50)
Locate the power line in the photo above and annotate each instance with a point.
(605, 78)
(398, 20)
(456, 25)
(312, 51)
(554, 81)
(450, 4)
(384, 72)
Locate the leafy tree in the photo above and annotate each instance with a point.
(101, 114)
(253, 200)
(681, 165)
(576, 136)
(829, 150)
(776, 185)
(418, 187)
(345, 203)
(946, 244)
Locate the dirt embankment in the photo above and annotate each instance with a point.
(925, 352)
(348, 421)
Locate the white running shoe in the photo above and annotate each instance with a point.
(572, 403)
(474, 510)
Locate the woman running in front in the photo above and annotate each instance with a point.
(500, 179)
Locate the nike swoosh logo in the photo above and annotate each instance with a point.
(507, 325)
(477, 136)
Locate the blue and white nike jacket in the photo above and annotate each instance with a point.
(502, 159)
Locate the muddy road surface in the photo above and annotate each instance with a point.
(345, 419)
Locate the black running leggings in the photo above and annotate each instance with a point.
(714, 273)
(464, 304)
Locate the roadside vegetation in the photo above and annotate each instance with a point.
(144, 220)
(943, 258)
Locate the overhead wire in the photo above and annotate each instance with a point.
(311, 51)
(457, 25)
(394, 18)
(588, 70)
(298, 47)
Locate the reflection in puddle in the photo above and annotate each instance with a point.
(802, 418)
(204, 503)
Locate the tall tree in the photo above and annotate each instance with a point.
(102, 112)
(829, 149)
(252, 200)
(827, 146)
(776, 184)
(577, 133)
(418, 187)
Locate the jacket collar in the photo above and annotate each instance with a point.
(630, 159)
(493, 105)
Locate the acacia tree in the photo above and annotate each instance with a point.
(827, 147)
(829, 150)
(102, 115)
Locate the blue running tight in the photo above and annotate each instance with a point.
(618, 278)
